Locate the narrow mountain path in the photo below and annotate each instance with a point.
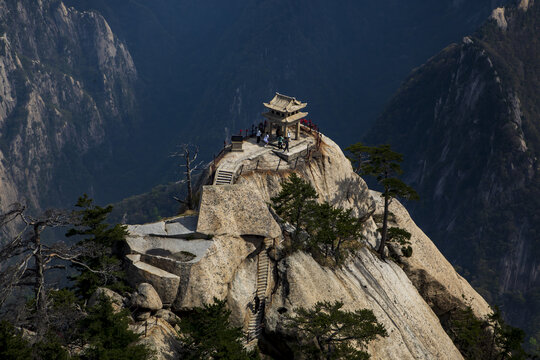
(256, 319)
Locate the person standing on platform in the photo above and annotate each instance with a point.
(266, 139)
(287, 140)
(258, 136)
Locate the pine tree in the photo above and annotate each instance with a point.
(333, 231)
(107, 337)
(100, 241)
(384, 164)
(12, 344)
(338, 334)
(208, 334)
(396, 235)
(295, 201)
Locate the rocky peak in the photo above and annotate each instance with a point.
(236, 253)
(498, 16)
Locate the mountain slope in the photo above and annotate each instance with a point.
(66, 95)
(467, 122)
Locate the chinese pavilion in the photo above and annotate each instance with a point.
(283, 114)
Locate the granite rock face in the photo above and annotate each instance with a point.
(365, 282)
(235, 210)
(165, 283)
(65, 83)
(434, 277)
(160, 336)
(168, 316)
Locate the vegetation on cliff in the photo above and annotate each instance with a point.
(332, 233)
(54, 320)
(208, 334)
(338, 334)
(384, 164)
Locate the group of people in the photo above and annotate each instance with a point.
(282, 142)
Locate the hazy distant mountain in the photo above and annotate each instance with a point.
(468, 122)
(206, 66)
(66, 96)
(192, 72)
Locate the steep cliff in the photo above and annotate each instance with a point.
(65, 91)
(234, 237)
(468, 124)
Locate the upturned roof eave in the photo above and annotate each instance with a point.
(288, 119)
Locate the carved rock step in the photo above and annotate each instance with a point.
(165, 283)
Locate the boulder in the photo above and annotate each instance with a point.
(146, 297)
(235, 210)
(117, 301)
(165, 283)
(168, 316)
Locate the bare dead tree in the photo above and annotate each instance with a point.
(25, 259)
(189, 153)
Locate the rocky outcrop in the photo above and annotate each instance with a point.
(498, 16)
(146, 297)
(332, 175)
(185, 270)
(235, 210)
(155, 331)
(117, 300)
(364, 282)
(160, 337)
(65, 84)
(240, 220)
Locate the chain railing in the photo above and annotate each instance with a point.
(276, 164)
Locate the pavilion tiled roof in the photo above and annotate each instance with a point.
(284, 103)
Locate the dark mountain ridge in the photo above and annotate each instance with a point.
(191, 72)
(206, 66)
(467, 122)
(65, 98)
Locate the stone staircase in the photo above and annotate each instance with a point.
(224, 177)
(263, 267)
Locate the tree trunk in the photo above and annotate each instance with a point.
(384, 232)
(297, 223)
(39, 287)
(189, 189)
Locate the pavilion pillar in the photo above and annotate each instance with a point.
(297, 130)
